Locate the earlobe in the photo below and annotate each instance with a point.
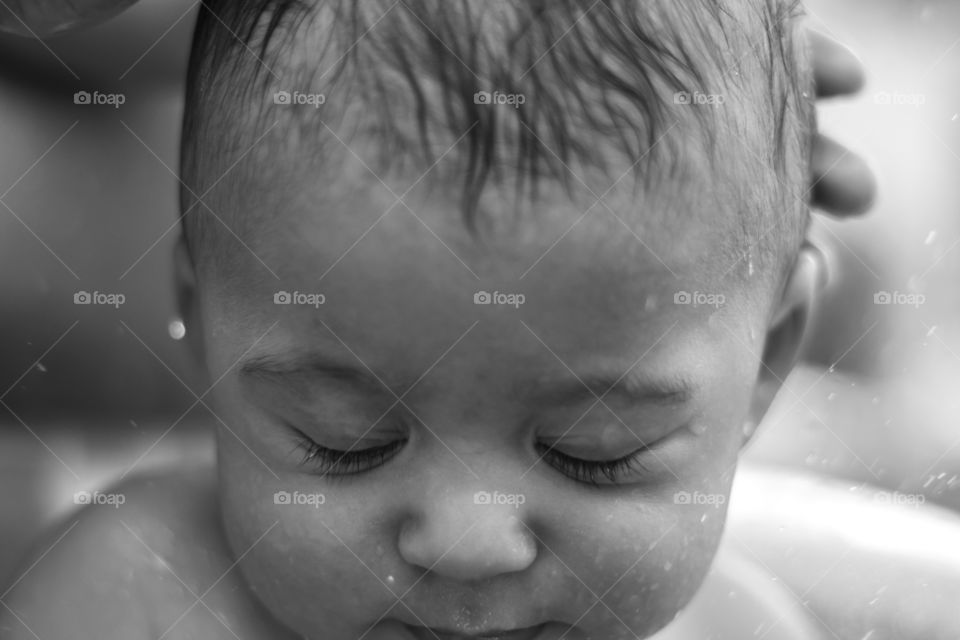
(786, 331)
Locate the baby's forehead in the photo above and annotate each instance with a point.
(666, 237)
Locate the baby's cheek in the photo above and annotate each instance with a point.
(646, 556)
(301, 544)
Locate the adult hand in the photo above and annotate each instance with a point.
(843, 184)
(43, 18)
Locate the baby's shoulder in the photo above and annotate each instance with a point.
(147, 558)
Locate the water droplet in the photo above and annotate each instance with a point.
(876, 400)
(650, 304)
(932, 331)
(391, 580)
(667, 565)
(955, 117)
(931, 237)
(831, 396)
(698, 428)
(703, 518)
(832, 368)
(41, 367)
(177, 329)
(750, 268)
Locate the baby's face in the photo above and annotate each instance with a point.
(474, 512)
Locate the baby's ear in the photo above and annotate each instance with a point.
(188, 307)
(787, 330)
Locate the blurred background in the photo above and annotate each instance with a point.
(88, 203)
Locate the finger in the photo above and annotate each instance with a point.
(44, 18)
(821, 262)
(843, 184)
(837, 71)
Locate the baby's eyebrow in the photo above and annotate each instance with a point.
(313, 366)
(633, 387)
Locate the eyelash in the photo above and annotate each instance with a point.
(332, 462)
(588, 471)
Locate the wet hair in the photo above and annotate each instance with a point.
(657, 82)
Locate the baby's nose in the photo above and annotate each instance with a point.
(469, 537)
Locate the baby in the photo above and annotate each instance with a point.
(490, 295)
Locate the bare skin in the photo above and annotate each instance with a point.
(118, 587)
(159, 566)
(160, 514)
